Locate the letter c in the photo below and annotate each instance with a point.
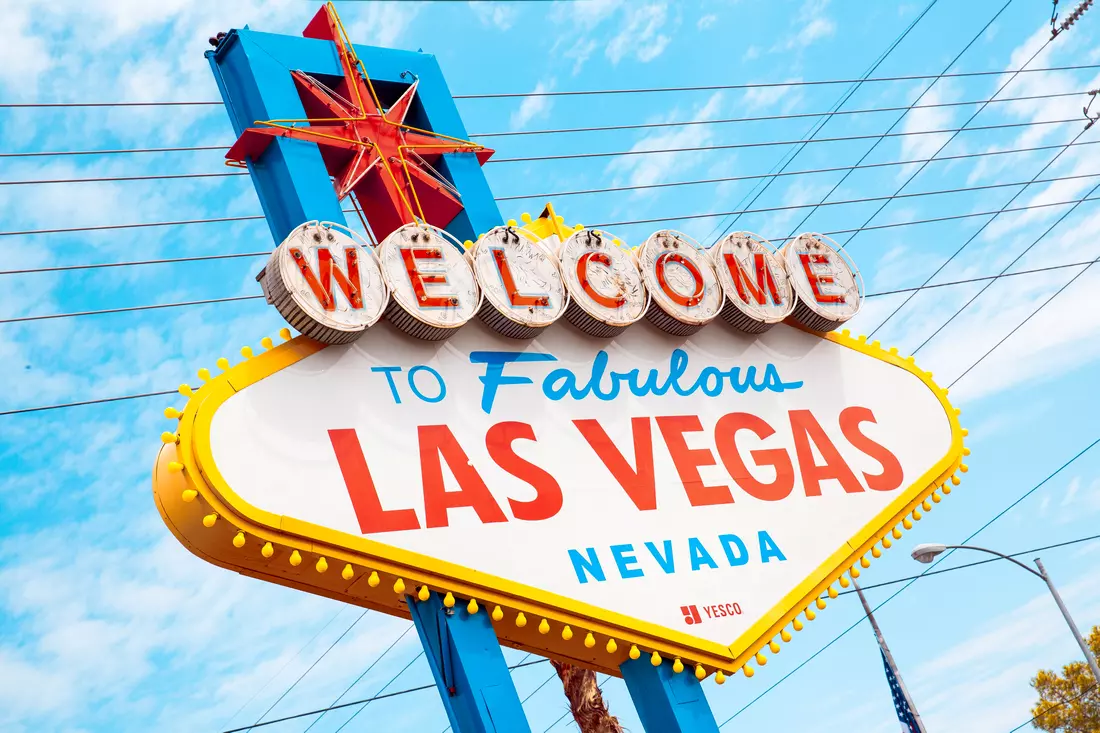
(601, 258)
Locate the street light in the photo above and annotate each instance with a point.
(926, 553)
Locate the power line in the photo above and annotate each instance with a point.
(650, 90)
(902, 116)
(396, 693)
(773, 143)
(947, 142)
(309, 669)
(613, 189)
(1079, 540)
(896, 593)
(763, 118)
(980, 229)
(1054, 707)
(257, 217)
(789, 157)
(1019, 257)
(1020, 325)
(575, 156)
(362, 675)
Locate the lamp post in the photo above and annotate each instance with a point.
(927, 552)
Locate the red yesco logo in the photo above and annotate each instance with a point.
(691, 615)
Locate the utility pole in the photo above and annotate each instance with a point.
(889, 659)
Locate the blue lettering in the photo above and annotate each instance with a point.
(388, 371)
(699, 554)
(590, 565)
(493, 378)
(438, 379)
(768, 548)
(665, 561)
(742, 555)
(624, 557)
(711, 381)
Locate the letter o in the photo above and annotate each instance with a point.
(438, 378)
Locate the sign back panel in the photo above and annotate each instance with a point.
(689, 497)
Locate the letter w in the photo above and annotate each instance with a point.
(321, 282)
(764, 277)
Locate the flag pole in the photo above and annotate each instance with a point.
(889, 658)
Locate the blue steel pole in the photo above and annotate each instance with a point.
(667, 702)
(469, 668)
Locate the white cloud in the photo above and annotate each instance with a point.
(706, 21)
(533, 107)
(641, 34)
(502, 17)
(809, 26)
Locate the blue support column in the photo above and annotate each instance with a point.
(469, 668)
(667, 702)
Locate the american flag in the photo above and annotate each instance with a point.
(905, 715)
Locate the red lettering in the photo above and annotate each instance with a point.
(816, 281)
(500, 258)
(364, 497)
(891, 476)
(437, 441)
(725, 439)
(808, 434)
(764, 278)
(686, 301)
(689, 460)
(601, 258)
(409, 255)
(321, 285)
(707, 609)
(548, 498)
(639, 484)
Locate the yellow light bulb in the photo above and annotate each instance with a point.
(761, 659)
(267, 550)
(498, 613)
(347, 573)
(295, 558)
(208, 520)
(238, 540)
(423, 594)
(700, 673)
(399, 586)
(189, 495)
(374, 581)
(589, 640)
(222, 363)
(521, 620)
(449, 600)
(471, 607)
(322, 565)
(567, 633)
(634, 652)
(749, 671)
(544, 627)
(611, 646)
(719, 678)
(655, 659)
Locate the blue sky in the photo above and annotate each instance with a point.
(110, 625)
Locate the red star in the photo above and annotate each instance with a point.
(367, 149)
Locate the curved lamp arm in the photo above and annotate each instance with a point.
(1038, 575)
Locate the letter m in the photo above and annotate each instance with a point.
(321, 281)
(745, 285)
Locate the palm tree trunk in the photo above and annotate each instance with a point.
(585, 700)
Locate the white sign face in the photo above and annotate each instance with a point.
(688, 483)
(429, 277)
(602, 278)
(520, 276)
(753, 278)
(681, 278)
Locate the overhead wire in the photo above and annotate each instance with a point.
(903, 115)
(1006, 268)
(258, 217)
(364, 673)
(1054, 707)
(947, 142)
(909, 583)
(582, 92)
(789, 157)
(980, 229)
(308, 669)
(611, 189)
(597, 154)
(353, 703)
(762, 118)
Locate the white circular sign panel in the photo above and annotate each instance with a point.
(680, 277)
(602, 278)
(519, 277)
(827, 283)
(429, 276)
(753, 277)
